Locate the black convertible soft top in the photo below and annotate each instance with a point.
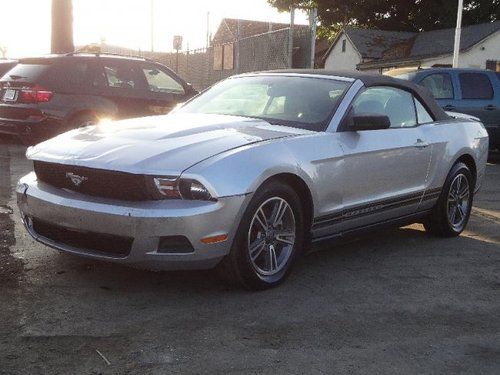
(370, 80)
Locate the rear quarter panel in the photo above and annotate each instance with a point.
(451, 140)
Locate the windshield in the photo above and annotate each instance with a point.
(301, 102)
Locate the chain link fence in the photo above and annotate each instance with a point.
(204, 67)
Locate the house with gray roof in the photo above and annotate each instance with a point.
(379, 50)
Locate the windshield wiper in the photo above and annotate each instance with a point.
(16, 77)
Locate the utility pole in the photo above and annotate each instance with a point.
(290, 37)
(152, 26)
(62, 26)
(458, 32)
(313, 20)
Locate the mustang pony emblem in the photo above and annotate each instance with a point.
(75, 179)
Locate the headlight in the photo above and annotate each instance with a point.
(173, 188)
(168, 187)
(194, 190)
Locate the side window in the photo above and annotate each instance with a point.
(68, 75)
(387, 101)
(159, 81)
(121, 76)
(439, 85)
(475, 86)
(423, 116)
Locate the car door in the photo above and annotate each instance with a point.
(164, 90)
(443, 87)
(126, 88)
(477, 97)
(385, 171)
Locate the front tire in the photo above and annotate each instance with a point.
(269, 239)
(452, 211)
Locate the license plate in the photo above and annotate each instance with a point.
(10, 95)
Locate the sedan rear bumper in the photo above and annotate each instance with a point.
(85, 226)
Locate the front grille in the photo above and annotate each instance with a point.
(90, 241)
(97, 182)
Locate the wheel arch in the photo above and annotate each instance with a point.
(303, 191)
(470, 162)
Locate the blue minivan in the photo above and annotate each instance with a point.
(471, 91)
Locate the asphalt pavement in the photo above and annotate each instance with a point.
(396, 302)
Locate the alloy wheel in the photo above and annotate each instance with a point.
(271, 236)
(458, 202)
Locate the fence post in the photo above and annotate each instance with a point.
(238, 31)
(290, 37)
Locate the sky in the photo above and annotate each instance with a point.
(126, 23)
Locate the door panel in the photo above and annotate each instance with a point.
(126, 88)
(478, 97)
(384, 174)
(385, 171)
(443, 88)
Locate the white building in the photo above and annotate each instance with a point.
(378, 51)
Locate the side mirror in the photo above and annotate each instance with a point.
(369, 122)
(190, 90)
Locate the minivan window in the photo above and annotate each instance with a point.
(439, 84)
(475, 86)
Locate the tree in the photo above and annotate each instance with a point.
(401, 15)
(62, 26)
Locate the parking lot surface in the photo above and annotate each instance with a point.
(396, 302)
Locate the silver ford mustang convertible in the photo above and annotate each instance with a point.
(251, 172)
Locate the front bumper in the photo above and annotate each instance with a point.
(145, 222)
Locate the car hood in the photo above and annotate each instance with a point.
(162, 145)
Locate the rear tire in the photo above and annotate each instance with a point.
(452, 211)
(268, 240)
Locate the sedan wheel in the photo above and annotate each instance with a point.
(268, 240)
(271, 236)
(458, 202)
(452, 211)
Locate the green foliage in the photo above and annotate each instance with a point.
(401, 15)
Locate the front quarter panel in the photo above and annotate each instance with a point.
(316, 159)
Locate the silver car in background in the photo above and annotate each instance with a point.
(254, 170)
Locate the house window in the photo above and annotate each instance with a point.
(493, 65)
(344, 45)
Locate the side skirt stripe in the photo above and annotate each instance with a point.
(373, 208)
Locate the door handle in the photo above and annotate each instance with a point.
(490, 107)
(449, 107)
(421, 144)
